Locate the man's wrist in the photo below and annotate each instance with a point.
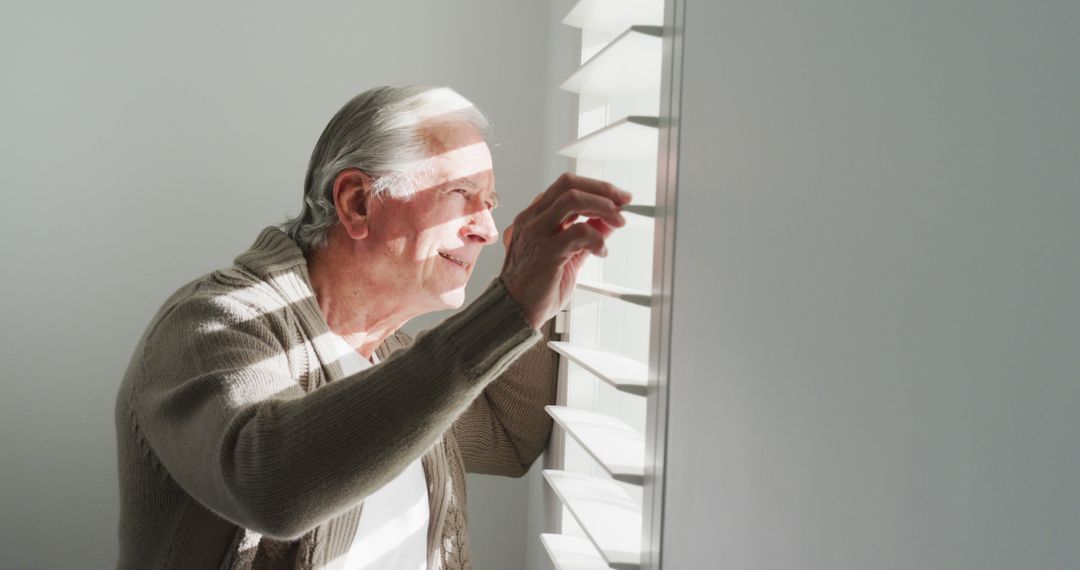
(534, 321)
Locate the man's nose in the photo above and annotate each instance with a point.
(481, 228)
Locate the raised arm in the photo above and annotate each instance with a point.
(506, 428)
(220, 410)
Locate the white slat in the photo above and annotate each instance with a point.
(614, 15)
(617, 291)
(572, 553)
(624, 373)
(611, 442)
(608, 515)
(641, 210)
(630, 138)
(631, 62)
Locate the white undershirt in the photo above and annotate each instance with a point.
(393, 526)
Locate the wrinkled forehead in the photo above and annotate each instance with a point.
(459, 152)
(446, 135)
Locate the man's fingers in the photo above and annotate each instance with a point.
(549, 244)
(580, 237)
(574, 203)
(508, 235)
(568, 182)
(602, 227)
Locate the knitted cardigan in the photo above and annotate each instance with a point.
(241, 445)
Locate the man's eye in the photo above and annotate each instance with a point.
(461, 191)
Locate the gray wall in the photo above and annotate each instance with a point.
(874, 355)
(144, 144)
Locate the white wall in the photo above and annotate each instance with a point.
(874, 354)
(143, 144)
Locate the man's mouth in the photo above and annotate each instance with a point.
(459, 261)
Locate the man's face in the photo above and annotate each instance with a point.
(433, 239)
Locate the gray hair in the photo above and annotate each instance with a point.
(378, 132)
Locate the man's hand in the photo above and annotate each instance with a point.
(545, 248)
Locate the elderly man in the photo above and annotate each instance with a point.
(273, 415)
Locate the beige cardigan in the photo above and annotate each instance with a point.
(241, 445)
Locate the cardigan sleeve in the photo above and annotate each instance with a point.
(506, 428)
(216, 403)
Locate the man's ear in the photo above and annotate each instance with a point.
(352, 188)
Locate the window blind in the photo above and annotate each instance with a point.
(605, 437)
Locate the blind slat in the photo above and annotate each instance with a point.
(630, 138)
(611, 442)
(630, 63)
(617, 291)
(608, 515)
(614, 15)
(625, 374)
(641, 210)
(572, 553)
